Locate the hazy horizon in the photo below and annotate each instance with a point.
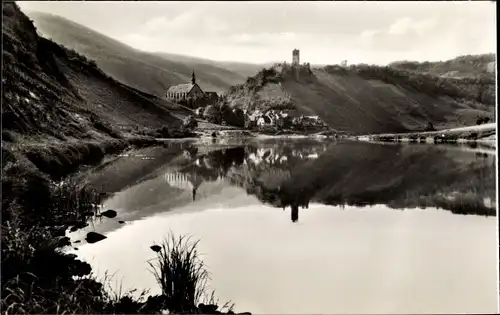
(263, 32)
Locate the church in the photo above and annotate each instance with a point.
(180, 92)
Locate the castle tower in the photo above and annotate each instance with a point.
(295, 57)
(193, 78)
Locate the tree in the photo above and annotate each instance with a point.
(250, 124)
(285, 122)
(227, 114)
(430, 127)
(190, 123)
(238, 118)
(212, 114)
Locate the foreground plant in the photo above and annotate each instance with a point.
(183, 277)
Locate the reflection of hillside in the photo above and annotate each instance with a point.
(365, 174)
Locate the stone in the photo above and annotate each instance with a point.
(207, 308)
(109, 214)
(93, 237)
(155, 248)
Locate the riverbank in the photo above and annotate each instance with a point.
(40, 203)
(485, 133)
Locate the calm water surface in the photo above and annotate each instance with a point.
(311, 227)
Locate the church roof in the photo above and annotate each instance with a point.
(181, 88)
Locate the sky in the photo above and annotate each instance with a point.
(325, 32)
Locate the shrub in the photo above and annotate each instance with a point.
(212, 114)
(190, 123)
(430, 127)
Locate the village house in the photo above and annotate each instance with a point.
(264, 121)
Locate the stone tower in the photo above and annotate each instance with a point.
(295, 57)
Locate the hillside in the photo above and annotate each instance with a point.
(462, 66)
(50, 92)
(369, 99)
(152, 73)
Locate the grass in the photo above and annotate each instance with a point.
(182, 275)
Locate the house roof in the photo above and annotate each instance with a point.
(181, 88)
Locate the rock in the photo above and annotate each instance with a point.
(244, 313)
(77, 241)
(93, 237)
(208, 309)
(63, 241)
(155, 248)
(109, 213)
(121, 221)
(75, 248)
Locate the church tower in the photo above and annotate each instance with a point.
(193, 78)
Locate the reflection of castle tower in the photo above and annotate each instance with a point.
(295, 57)
(295, 213)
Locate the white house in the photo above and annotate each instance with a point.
(264, 121)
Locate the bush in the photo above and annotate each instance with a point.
(430, 127)
(212, 114)
(190, 123)
(238, 118)
(482, 120)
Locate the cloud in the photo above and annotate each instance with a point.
(405, 34)
(263, 39)
(324, 31)
(401, 26)
(189, 23)
(408, 26)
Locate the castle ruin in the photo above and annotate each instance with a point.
(295, 57)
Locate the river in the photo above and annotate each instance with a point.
(306, 226)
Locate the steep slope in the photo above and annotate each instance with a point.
(148, 72)
(462, 66)
(52, 92)
(368, 99)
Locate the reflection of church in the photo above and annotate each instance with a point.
(184, 181)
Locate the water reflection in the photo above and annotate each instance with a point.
(291, 175)
(339, 215)
(357, 174)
